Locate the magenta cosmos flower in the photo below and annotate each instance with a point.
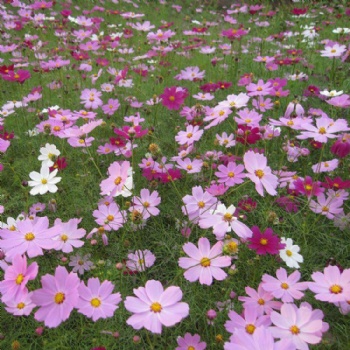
(57, 298)
(331, 285)
(204, 263)
(155, 307)
(265, 242)
(190, 342)
(96, 300)
(173, 97)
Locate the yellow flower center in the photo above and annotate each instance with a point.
(156, 307)
(172, 98)
(191, 348)
(110, 217)
(261, 301)
(201, 204)
(29, 236)
(325, 209)
(59, 298)
(205, 262)
(284, 285)
(232, 247)
(20, 305)
(231, 174)
(308, 187)
(12, 228)
(146, 204)
(333, 51)
(294, 330)
(322, 130)
(64, 238)
(263, 241)
(95, 302)
(19, 279)
(141, 262)
(259, 173)
(44, 181)
(118, 180)
(335, 289)
(189, 167)
(248, 121)
(228, 217)
(189, 135)
(250, 328)
(289, 253)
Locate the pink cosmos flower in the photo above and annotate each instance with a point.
(119, 181)
(342, 101)
(326, 166)
(16, 277)
(329, 206)
(190, 166)
(260, 173)
(223, 220)
(308, 187)
(110, 216)
(325, 128)
(21, 305)
(198, 203)
(204, 263)
(69, 235)
(58, 297)
(284, 287)
(96, 300)
(301, 325)
(146, 203)
(249, 321)
(191, 135)
(261, 339)
(334, 50)
(331, 285)
(91, 98)
(140, 260)
(192, 342)
(248, 117)
(216, 116)
(226, 140)
(31, 237)
(154, 307)
(259, 89)
(261, 300)
(111, 106)
(231, 175)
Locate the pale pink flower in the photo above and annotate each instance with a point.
(57, 297)
(249, 321)
(204, 263)
(329, 206)
(16, 277)
(140, 260)
(110, 216)
(331, 285)
(69, 235)
(235, 101)
(191, 135)
(297, 324)
(231, 175)
(226, 140)
(154, 307)
(223, 220)
(96, 299)
(325, 166)
(190, 342)
(261, 300)
(31, 237)
(284, 287)
(260, 173)
(190, 166)
(21, 305)
(146, 203)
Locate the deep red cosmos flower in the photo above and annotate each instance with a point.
(266, 242)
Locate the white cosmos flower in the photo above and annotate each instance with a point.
(332, 93)
(290, 253)
(48, 155)
(44, 181)
(341, 31)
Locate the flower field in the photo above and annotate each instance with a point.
(174, 175)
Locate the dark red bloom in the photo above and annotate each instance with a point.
(199, 30)
(170, 175)
(289, 203)
(341, 147)
(210, 87)
(336, 184)
(316, 144)
(80, 55)
(173, 97)
(20, 76)
(299, 11)
(60, 164)
(308, 186)
(248, 135)
(6, 69)
(266, 242)
(224, 85)
(247, 204)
